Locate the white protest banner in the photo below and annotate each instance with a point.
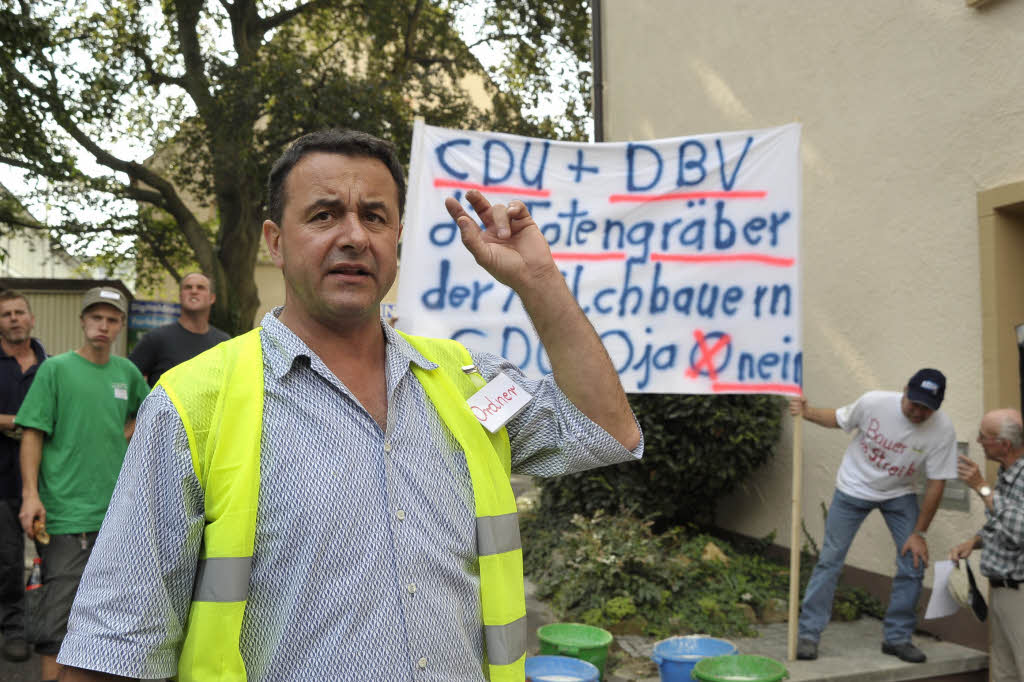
(683, 252)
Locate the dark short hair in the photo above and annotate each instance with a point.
(333, 141)
(12, 295)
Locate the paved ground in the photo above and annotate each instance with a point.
(849, 652)
(20, 672)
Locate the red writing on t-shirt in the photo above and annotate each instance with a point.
(876, 447)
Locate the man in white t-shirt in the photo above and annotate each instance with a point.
(899, 435)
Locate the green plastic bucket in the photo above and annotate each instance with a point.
(577, 640)
(741, 668)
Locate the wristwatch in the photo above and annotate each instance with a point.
(984, 491)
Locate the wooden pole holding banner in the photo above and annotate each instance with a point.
(794, 536)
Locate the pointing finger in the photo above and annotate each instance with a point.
(455, 210)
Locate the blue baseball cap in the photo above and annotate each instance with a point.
(927, 387)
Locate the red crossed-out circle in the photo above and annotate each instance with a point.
(707, 356)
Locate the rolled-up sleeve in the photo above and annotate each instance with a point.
(132, 604)
(551, 437)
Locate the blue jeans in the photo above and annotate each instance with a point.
(844, 518)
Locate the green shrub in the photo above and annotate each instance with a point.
(610, 570)
(616, 573)
(697, 449)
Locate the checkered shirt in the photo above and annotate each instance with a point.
(1002, 535)
(365, 563)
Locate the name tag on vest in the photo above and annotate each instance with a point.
(498, 401)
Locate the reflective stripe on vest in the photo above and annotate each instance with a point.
(222, 579)
(225, 455)
(213, 399)
(488, 456)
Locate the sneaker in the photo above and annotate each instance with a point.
(15, 649)
(806, 650)
(906, 651)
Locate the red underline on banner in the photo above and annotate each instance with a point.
(723, 258)
(756, 388)
(492, 189)
(688, 196)
(567, 255)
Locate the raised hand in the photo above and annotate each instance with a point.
(509, 245)
(969, 472)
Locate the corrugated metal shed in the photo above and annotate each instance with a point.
(56, 304)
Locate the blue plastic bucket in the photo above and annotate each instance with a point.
(560, 669)
(676, 656)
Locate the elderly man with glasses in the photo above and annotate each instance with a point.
(1001, 538)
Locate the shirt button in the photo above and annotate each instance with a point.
(412, 590)
(387, 446)
(400, 514)
(422, 663)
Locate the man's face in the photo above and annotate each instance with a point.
(101, 323)
(338, 241)
(994, 447)
(16, 321)
(196, 294)
(916, 413)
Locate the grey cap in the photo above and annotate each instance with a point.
(108, 295)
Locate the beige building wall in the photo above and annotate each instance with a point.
(58, 323)
(29, 254)
(911, 111)
(56, 305)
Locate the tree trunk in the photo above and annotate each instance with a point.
(240, 235)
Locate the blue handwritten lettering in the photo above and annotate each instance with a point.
(439, 296)
(442, 149)
(727, 184)
(466, 331)
(516, 343)
(538, 177)
(489, 178)
(697, 164)
(781, 296)
(579, 168)
(640, 235)
(631, 166)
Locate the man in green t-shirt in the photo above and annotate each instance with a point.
(78, 417)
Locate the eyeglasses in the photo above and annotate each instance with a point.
(983, 437)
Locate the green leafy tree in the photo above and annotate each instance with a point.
(154, 123)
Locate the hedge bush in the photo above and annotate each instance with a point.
(697, 449)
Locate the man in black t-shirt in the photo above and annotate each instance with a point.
(20, 357)
(172, 344)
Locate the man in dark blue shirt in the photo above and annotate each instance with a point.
(20, 356)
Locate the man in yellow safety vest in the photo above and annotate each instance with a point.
(315, 499)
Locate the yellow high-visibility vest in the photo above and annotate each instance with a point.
(219, 397)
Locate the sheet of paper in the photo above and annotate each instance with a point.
(941, 604)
